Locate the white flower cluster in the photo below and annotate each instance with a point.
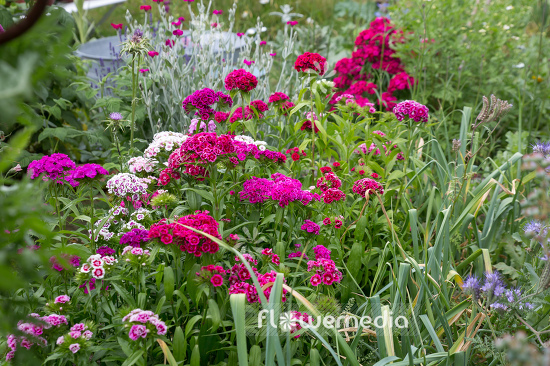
(125, 184)
(262, 145)
(133, 223)
(166, 140)
(140, 164)
(96, 265)
(114, 216)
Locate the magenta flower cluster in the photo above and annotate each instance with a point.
(323, 268)
(240, 80)
(54, 167)
(84, 172)
(142, 323)
(134, 238)
(414, 110)
(281, 188)
(202, 102)
(310, 227)
(367, 186)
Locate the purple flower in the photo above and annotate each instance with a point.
(493, 286)
(134, 237)
(115, 116)
(83, 172)
(541, 148)
(73, 261)
(105, 250)
(472, 286)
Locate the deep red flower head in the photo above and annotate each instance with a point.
(145, 7)
(311, 61)
(116, 26)
(242, 80)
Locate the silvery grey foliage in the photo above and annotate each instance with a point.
(201, 58)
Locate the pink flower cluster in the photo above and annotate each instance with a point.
(241, 80)
(142, 323)
(97, 265)
(367, 186)
(323, 267)
(62, 299)
(33, 331)
(239, 275)
(188, 240)
(141, 164)
(78, 333)
(73, 260)
(310, 227)
(414, 110)
(311, 62)
(54, 167)
(202, 101)
(137, 257)
(373, 46)
(281, 188)
(297, 254)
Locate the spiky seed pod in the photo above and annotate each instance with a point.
(544, 282)
(484, 110)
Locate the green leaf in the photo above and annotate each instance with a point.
(214, 312)
(168, 282)
(238, 308)
(135, 357)
(179, 345)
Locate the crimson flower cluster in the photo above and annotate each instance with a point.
(338, 221)
(311, 61)
(367, 186)
(259, 105)
(295, 153)
(202, 101)
(323, 268)
(240, 80)
(240, 280)
(373, 51)
(188, 240)
(306, 126)
(207, 147)
(281, 188)
(277, 98)
(329, 184)
(414, 110)
(212, 273)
